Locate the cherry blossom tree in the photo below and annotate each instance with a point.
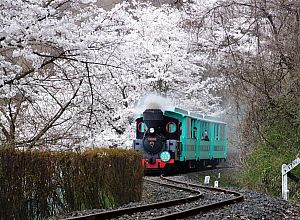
(71, 72)
(50, 52)
(159, 59)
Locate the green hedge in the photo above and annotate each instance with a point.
(36, 185)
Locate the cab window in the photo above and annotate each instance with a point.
(171, 127)
(142, 127)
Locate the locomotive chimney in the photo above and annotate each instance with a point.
(153, 117)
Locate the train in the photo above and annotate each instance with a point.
(176, 140)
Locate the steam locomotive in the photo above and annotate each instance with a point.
(176, 139)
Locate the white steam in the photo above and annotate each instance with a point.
(153, 101)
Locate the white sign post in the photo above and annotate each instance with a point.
(216, 184)
(284, 171)
(206, 180)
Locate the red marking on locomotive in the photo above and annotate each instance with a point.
(151, 139)
(158, 163)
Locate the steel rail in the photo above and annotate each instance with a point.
(193, 211)
(142, 208)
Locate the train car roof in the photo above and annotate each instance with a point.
(195, 115)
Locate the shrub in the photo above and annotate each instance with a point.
(36, 185)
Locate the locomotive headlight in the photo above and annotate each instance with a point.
(165, 156)
(151, 130)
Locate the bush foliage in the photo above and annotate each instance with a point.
(281, 144)
(35, 185)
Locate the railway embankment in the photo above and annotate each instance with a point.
(253, 206)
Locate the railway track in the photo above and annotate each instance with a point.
(177, 208)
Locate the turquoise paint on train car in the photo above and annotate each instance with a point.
(194, 148)
(211, 149)
(211, 140)
(220, 143)
(183, 139)
(204, 145)
(198, 137)
(225, 143)
(188, 142)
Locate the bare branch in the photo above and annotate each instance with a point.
(23, 75)
(54, 118)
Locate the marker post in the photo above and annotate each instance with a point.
(284, 172)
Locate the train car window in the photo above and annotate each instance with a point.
(195, 132)
(188, 127)
(217, 135)
(194, 129)
(202, 128)
(180, 128)
(171, 127)
(204, 133)
(222, 132)
(202, 125)
(142, 127)
(205, 136)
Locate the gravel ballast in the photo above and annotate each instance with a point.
(254, 206)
